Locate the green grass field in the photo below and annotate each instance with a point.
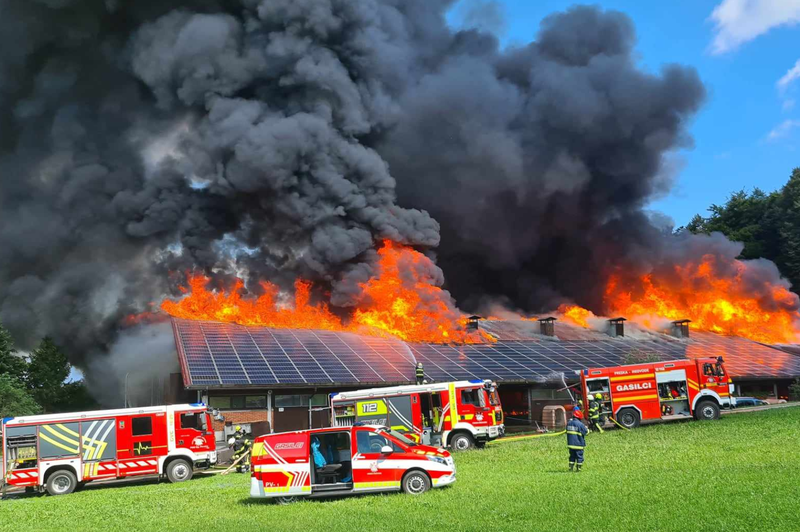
(740, 473)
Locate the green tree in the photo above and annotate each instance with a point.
(47, 371)
(794, 390)
(10, 363)
(14, 398)
(75, 397)
(767, 224)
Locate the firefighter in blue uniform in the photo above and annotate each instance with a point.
(420, 373)
(576, 441)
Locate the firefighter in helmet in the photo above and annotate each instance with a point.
(595, 404)
(576, 440)
(241, 445)
(420, 373)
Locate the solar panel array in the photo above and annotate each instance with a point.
(216, 354)
(227, 354)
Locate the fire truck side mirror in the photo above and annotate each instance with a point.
(386, 450)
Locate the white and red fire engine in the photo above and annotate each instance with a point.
(345, 460)
(661, 390)
(458, 415)
(56, 452)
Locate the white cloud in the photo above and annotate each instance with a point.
(791, 75)
(783, 129)
(739, 21)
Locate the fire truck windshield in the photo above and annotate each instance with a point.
(399, 436)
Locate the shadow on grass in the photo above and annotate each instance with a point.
(252, 502)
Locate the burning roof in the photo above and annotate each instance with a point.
(216, 354)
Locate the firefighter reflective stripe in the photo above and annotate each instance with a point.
(575, 432)
(576, 446)
(258, 449)
(633, 377)
(57, 438)
(638, 397)
(385, 484)
(95, 439)
(453, 410)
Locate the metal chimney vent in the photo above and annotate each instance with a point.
(680, 328)
(472, 323)
(617, 327)
(547, 326)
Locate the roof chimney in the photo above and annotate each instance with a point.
(616, 327)
(680, 328)
(547, 326)
(472, 323)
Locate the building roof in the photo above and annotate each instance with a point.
(233, 356)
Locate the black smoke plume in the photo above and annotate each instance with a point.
(280, 138)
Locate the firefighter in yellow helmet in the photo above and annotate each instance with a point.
(595, 405)
(241, 445)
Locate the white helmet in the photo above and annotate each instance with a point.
(232, 440)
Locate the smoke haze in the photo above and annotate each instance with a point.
(284, 138)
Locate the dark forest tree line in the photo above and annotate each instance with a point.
(767, 224)
(36, 383)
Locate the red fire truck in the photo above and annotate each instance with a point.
(345, 460)
(662, 390)
(459, 415)
(57, 452)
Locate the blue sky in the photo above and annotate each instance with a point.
(747, 133)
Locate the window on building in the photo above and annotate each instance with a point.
(319, 399)
(255, 401)
(316, 400)
(541, 393)
(219, 402)
(142, 426)
(238, 402)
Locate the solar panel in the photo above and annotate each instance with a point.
(223, 354)
(230, 355)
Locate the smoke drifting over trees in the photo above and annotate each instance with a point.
(282, 138)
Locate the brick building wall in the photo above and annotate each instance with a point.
(234, 417)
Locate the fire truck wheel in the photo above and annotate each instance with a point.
(416, 482)
(61, 482)
(286, 500)
(629, 418)
(179, 470)
(706, 411)
(462, 442)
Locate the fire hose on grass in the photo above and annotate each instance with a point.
(244, 455)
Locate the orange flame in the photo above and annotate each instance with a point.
(718, 304)
(575, 314)
(402, 300)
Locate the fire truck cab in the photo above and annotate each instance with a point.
(57, 452)
(676, 389)
(459, 415)
(345, 460)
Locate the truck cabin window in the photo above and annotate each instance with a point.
(471, 397)
(190, 420)
(372, 442)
